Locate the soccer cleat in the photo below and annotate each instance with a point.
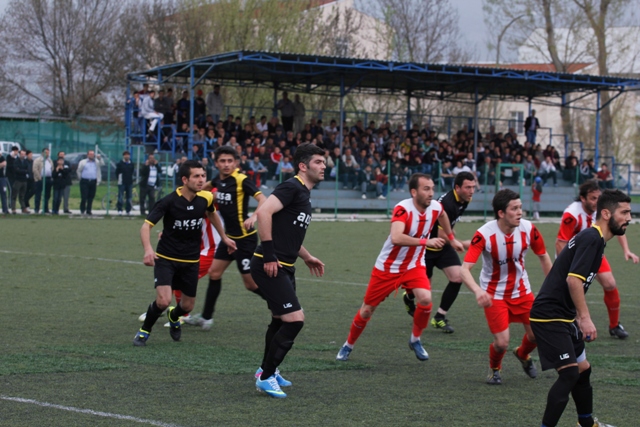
(527, 365)
(618, 332)
(194, 319)
(143, 317)
(343, 354)
(420, 352)
(206, 324)
(494, 377)
(442, 324)
(270, 386)
(409, 303)
(281, 381)
(175, 328)
(597, 423)
(140, 340)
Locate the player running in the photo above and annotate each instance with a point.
(578, 216)
(176, 260)
(560, 316)
(503, 244)
(401, 262)
(454, 202)
(233, 190)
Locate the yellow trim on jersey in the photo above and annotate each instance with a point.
(433, 249)
(456, 195)
(599, 231)
(531, 319)
(178, 260)
(240, 237)
(208, 195)
(301, 181)
(578, 276)
(179, 191)
(149, 222)
(240, 199)
(279, 262)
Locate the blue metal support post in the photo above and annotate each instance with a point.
(597, 141)
(408, 125)
(475, 130)
(191, 111)
(340, 137)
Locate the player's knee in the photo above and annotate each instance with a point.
(187, 304)
(609, 284)
(501, 345)
(249, 283)
(215, 275)
(424, 300)
(366, 311)
(569, 376)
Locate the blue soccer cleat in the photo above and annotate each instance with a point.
(420, 352)
(281, 381)
(343, 354)
(140, 340)
(270, 386)
(175, 327)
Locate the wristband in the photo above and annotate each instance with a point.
(451, 237)
(268, 251)
(423, 242)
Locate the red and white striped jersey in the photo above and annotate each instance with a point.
(503, 275)
(574, 220)
(210, 239)
(398, 259)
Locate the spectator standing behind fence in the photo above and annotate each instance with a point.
(124, 172)
(11, 159)
(287, 111)
(536, 192)
(215, 104)
(148, 111)
(30, 181)
(298, 114)
(42, 170)
(90, 175)
(59, 177)
(150, 174)
(20, 178)
(531, 126)
(67, 189)
(3, 184)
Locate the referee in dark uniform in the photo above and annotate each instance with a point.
(454, 202)
(282, 224)
(233, 190)
(560, 317)
(175, 262)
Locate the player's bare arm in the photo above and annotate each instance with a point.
(208, 186)
(583, 317)
(483, 298)
(445, 228)
(217, 224)
(545, 263)
(249, 222)
(145, 236)
(265, 222)
(560, 244)
(628, 255)
(316, 267)
(398, 237)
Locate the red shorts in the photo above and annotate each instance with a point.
(205, 264)
(505, 311)
(382, 284)
(605, 267)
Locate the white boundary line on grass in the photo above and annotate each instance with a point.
(87, 411)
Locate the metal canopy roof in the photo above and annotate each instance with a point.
(326, 75)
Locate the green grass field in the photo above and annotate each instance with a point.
(72, 290)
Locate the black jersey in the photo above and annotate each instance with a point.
(581, 258)
(454, 207)
(290, 224)
(232, 198)
(181, 224)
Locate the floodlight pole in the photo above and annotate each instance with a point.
(597, 139)
(128, 115)
(191, 110)
(475, 125)
(341, 136)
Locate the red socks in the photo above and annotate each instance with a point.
(495, 358)
(358, 325)
(526, 347)
(178, 295)
(612, 301)
(421, 319)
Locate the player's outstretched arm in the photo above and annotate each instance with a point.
(445, 226)
(483, 298)
(249, 222)
(585, 324)
(545, 263)
(628, 255)
(316, 267)
(149, 254)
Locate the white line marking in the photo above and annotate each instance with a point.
(88, 411)
(124, 261)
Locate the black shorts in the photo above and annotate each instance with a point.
(279, 291)
(181, 276)
(245, 248)
(559, 343)
(447, 257)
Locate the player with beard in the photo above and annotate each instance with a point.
(579, 216)
(401, 262)
(504, 291)
(560, 317)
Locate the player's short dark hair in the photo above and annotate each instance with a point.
(225, 149)
(304, 153)
(610, 199)
(415, 178)
(186, 166)
(587, 187)
(501, 200)
(462, 177)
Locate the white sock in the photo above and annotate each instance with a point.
(348, 345)
(414, 338)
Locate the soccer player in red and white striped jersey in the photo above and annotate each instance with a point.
(578, 216)
(401, 262)
(503, 244)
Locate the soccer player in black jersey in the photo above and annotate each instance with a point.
(560, 317)
(232, 199)
(455, 202)
(175, 261)
(282, 224)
